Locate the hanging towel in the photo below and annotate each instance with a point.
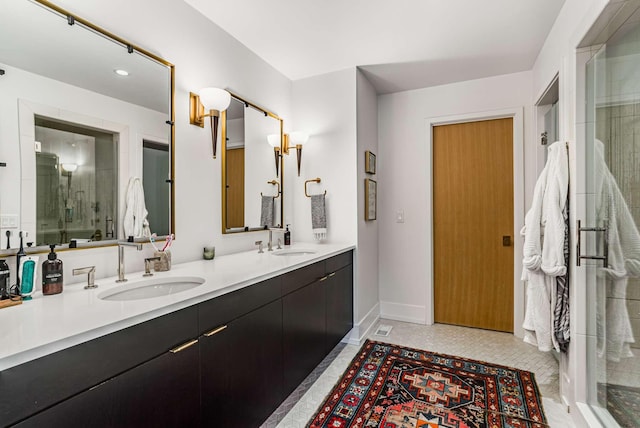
(267, 211)
(318, 217)
(561, 313)
(135, 216)
(544, 240)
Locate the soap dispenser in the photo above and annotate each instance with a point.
(287, 236)
(52, 273)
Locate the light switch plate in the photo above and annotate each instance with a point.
(400, 216)
(9, 221)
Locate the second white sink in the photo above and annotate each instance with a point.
(149, 288)
(294, 252)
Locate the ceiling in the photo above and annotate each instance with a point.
(411, 44)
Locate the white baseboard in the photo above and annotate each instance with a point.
(402, 312)
(361, 329)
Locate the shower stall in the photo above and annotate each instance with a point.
(609, 240)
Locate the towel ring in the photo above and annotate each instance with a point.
(275, 183)
(314, 180)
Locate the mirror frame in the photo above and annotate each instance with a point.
(223, 166)
(171, 122)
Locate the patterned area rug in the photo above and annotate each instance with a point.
(388, 386)
(623, 402)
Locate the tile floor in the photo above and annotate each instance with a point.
(489, 346)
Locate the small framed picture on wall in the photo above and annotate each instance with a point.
(369, 162)
(370, 197)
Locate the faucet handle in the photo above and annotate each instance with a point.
(91, 272)
(147, 265)
(279, 242)
(259, 244)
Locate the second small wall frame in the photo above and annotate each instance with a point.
(370, 197)
(369, 162)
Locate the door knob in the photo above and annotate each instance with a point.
(506, 241)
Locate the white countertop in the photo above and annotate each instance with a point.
(47, 324)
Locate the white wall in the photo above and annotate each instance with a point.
(203, 55)
(367, 297)
(405, 254)
(325, 107)
(558, 55)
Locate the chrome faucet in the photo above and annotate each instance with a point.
(270, 243)
(121, 246)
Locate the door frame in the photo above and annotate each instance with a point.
(517, 114)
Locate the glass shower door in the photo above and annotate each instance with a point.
(610, 233)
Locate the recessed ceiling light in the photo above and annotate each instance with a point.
(121, 72)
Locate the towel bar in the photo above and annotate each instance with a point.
(314, 180)
(274, 182)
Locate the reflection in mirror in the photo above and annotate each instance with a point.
(251, 186)
(155, 173)
(60, 87)
(76, 183)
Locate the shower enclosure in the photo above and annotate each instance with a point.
(610, 235)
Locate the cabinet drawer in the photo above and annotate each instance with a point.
(301, 277)
(221, 310)
(339, 261)
(38, 384)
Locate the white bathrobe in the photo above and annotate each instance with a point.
(135, 216)
(543, 252)
(612, 320)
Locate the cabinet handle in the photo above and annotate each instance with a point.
(324, 278)
(332, 274)
(215, 331)
(183, 346)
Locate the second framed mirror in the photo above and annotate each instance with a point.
(252, 168)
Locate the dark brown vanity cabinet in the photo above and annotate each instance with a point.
(317, 314)
(226, 362)
(241, 356)
(127, 378)
(163, 392)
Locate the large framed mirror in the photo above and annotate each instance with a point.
(85, 116)
(252, 168)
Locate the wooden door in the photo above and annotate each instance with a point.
(473, 224)
(235, 188)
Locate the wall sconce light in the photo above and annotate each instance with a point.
(297, 140)
(293, 139)
(214, 101)
(274, 141)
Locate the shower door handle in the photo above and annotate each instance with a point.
(605, 254)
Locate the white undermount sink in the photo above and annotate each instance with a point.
(154, 287)
(294, 252)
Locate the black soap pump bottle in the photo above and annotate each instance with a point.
(52, 273)
(287, 236)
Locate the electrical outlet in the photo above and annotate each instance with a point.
(9, 221)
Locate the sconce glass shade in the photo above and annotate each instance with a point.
(214, 98)
(69, 167)
(298, 138)
(273, 140)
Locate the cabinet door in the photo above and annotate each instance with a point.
(339, 307)
(241, 369)
(303, 326)
(163, 392)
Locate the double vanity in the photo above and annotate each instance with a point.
(209, 343)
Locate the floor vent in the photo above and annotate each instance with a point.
(383, 330)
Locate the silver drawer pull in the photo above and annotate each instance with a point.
(215, 331)
(184, 346)
(324, 278)
(332, 274)
(605, 230)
